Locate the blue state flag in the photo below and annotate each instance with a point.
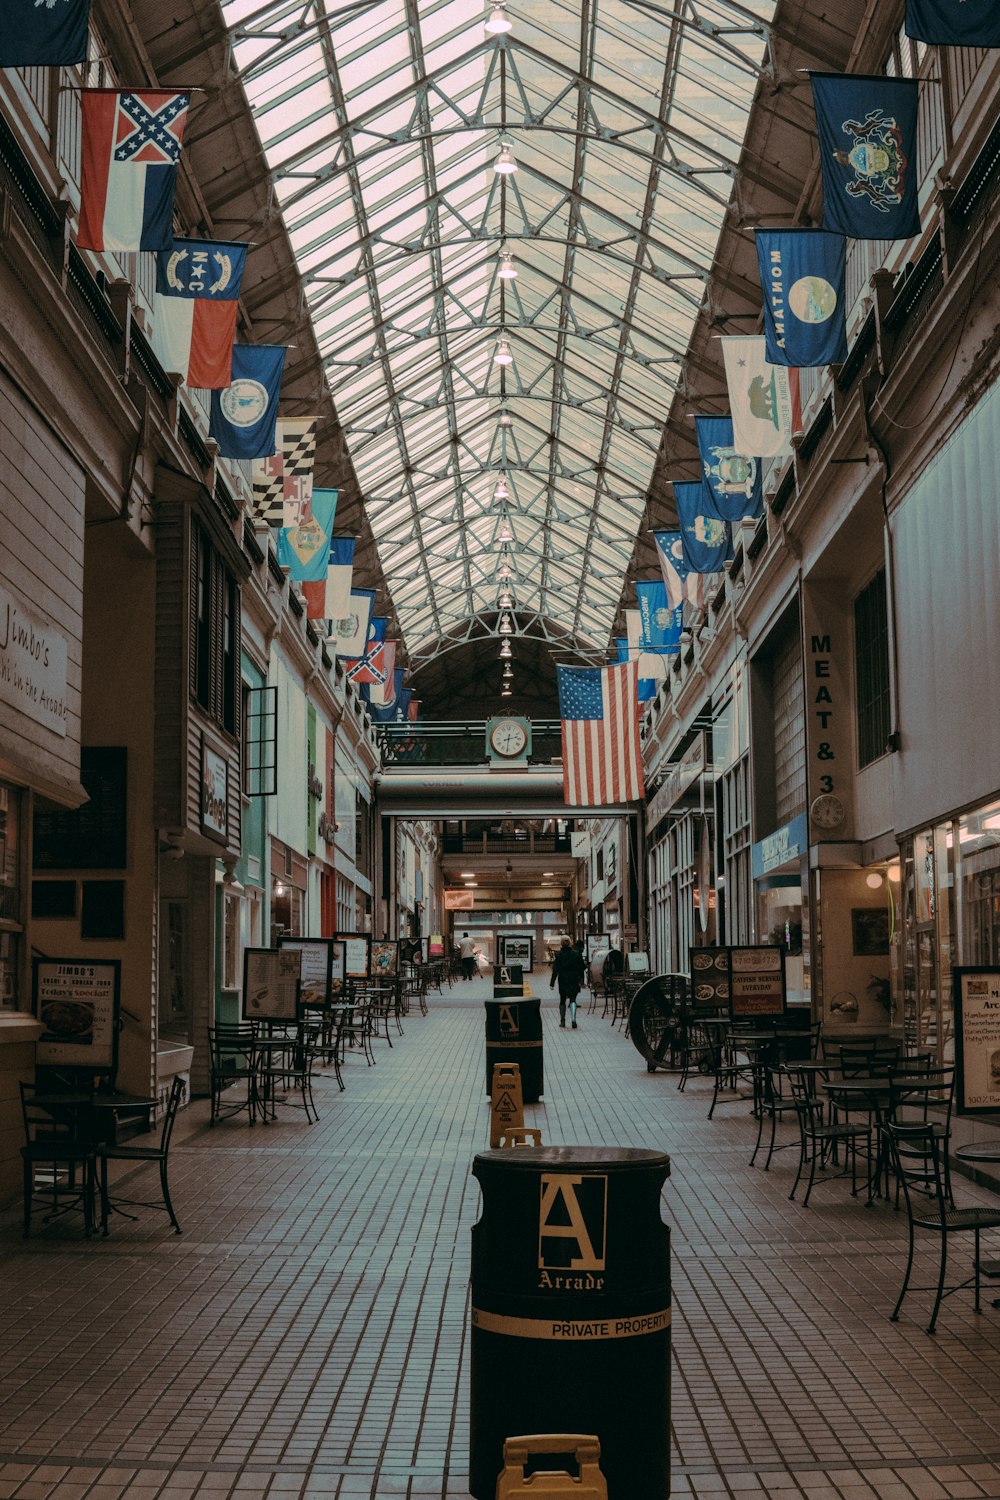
(621, 643)
(304, 549)
(661, 623)
(245, 414)
(954, 23)
(395, 711)
(867, 127)
(34, 34)
(733, 479)
(706, 541)
(802, 275)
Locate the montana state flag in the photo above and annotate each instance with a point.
(802, 275)
(954, 23)
(868, 153)
(35, 34)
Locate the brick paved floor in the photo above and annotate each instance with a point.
(306, 1335)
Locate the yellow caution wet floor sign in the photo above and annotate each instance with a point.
(552, 1484)
(506, 1101)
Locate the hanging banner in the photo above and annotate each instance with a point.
(954, 23)
(802, 274)
(196, 302)
(867, 126)
(331, 599)
(130, 148)
(661, 625)
(244, 417)
(683, 584)
(733, 478)
(304, 549)
(350, 633)
(33, 35)
(706, 542)
(763, 398)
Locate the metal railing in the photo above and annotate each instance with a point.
(460, 743)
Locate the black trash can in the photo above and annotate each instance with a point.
(514, 1034)
(571, 1310)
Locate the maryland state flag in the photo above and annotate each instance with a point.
(954, 23)
(43, 33)
(868, 153)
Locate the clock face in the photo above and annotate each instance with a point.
(827, 811)
(508, 737)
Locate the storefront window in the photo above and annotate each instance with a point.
(927, 902)
(11, 899)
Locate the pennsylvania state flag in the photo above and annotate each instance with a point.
(868, 153)
(802, 275)
(43, 33)
(954, 23)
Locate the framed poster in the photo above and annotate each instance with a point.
(410, 950)
(271, 984)
(77, 1001)
(709, 978)
(383, 958)
(316, 972)
(870, 931)
(355, 953)
(637, 963)
(214, 793)
(435, 945)
(976, 1000)
(756, 981)
(518, 948)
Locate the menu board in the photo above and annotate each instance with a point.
(317, 957)
(76, 1000)
(383, 958)
(757, 981)
(709, 978)
(271, 984)
(976, 998)
(517, 949)
(355, 953)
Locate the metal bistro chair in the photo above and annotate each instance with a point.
(58, 1156)
(283, 1071)
(916, 1154)
(922, 1095)
(138, 1154)
(231, 1048)
(819, 1142)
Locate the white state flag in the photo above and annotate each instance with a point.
(763, 399)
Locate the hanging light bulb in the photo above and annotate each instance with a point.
(505, 601)
(505, 572)
(499, 22)
(508, 270)
(508, 670)
(507, 692)
(505, 165)
(503, 417)
(505, 627)
(505, 534)
(505, 651)
(503, 355)
(501, 492)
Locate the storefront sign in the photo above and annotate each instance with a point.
(271, 984)
(757, 981)
(314, 785)
(976, 998)
(214, 793)
(680, 776)
(829, 721)
(709, 978)
(355, 953)
(76, 1000)
(517, 950)
(459, 900)
(33, 657)
(326, 828)
(780, 848)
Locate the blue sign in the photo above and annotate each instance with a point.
(780, 848)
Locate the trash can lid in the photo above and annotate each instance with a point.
(606, 1158)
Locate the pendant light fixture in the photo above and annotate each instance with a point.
(503, 355)
(505, 651)
(505, 627)
(505, 165)
(501, 492)
(499, 22)
(508, 270)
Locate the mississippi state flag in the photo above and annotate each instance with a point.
(131, 147)
(197, 291)
(602, 759)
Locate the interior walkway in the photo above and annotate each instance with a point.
(307, 1334)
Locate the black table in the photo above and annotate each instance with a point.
(985, 1152)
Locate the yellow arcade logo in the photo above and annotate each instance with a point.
(572, 1222)
(508, 1021)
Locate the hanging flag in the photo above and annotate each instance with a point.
(331, 598)
(602, 759)
(732, 478)
(350, 632)
(661, 623)
(244, 417)
(802, 273)
(622, 644)
(383, 694)
(684, 586)
(763, 398)
(197, 299)
(282, 481)
(412, 705)
(37, 35)
(867, 127)
(706, 542)
(304, 549)
(393, 711)
(370, 666)
(633, 632)
(945, 23)
(131, 144)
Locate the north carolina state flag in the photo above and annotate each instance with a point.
(197, 299)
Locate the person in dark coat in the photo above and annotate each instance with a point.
(568, 969)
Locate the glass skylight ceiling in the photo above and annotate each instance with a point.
(381, 120)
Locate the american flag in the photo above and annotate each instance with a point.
(602, 761)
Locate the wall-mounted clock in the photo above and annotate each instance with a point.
(827, 811)
(508, 738)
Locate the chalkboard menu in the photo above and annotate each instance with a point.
(91, 837)
(976, 998)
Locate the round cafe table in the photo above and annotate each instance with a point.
(986, 1152)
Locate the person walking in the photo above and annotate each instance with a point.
(568, 969)
(467, 953)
